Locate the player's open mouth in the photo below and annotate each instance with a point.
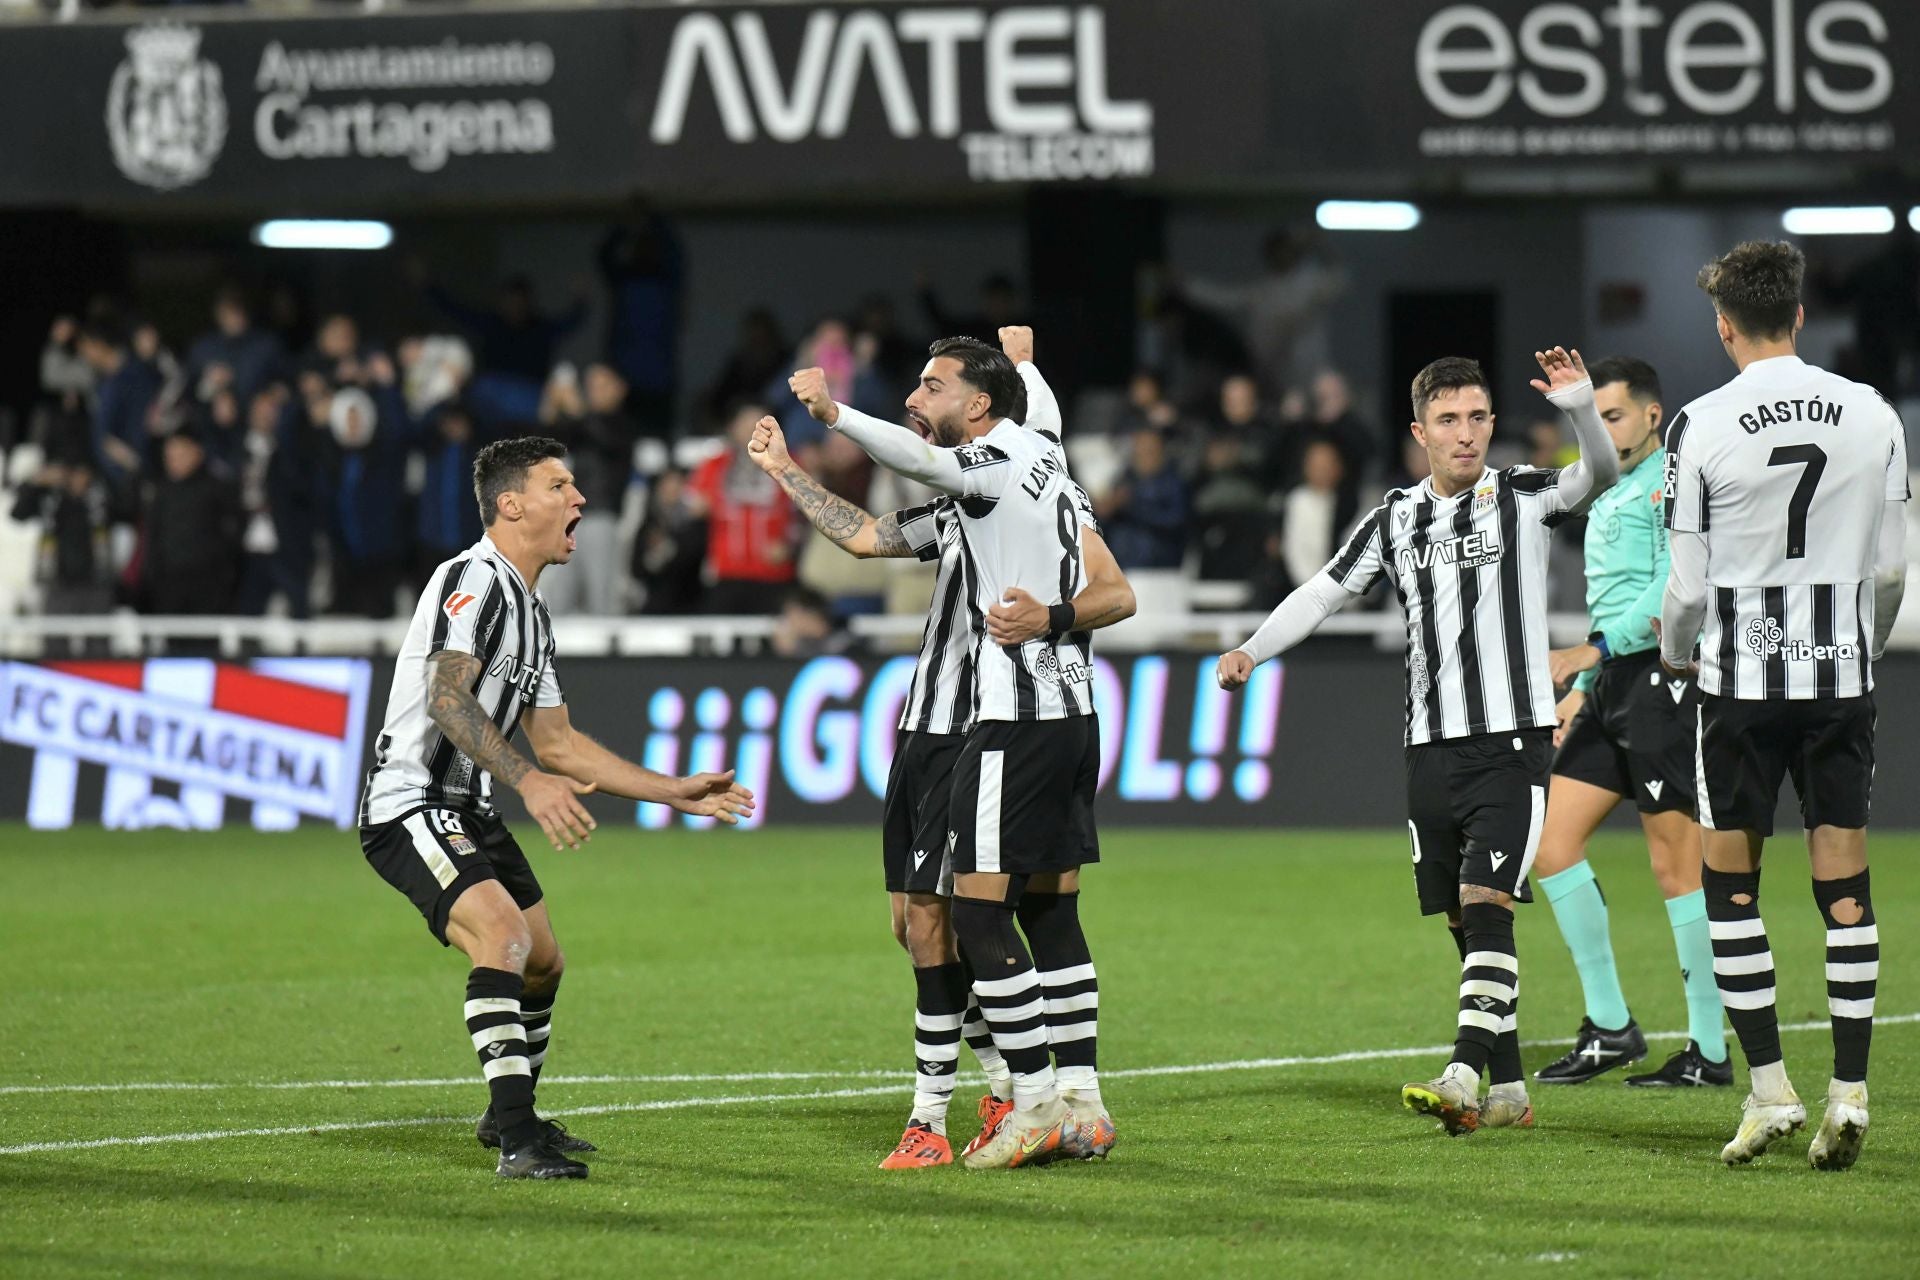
(920, 425)
(571, 526)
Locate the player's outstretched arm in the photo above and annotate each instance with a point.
(892, 446)
(551, 800)
(1107, 599)
(1043, 407)
(849, 527)
(566, 750)
(1296, 618)
(1571, 391)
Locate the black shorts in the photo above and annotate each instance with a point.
(1474, 809)
(1635, 736)
(1748, 746)
(434, 855)
(913, 830)
(1023, 797)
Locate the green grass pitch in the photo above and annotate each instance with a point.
(241, 961)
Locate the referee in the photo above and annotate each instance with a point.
(1467, 550)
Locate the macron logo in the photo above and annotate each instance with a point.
(1655, 788)
(1496, 858)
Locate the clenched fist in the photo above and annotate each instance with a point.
(768, 448)
(1017, 341)
(1236, 668)
(809, 387)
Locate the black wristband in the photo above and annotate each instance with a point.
(1059, 619)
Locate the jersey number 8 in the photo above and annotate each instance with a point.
(1067, 526)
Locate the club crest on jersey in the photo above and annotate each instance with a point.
(1766, 638)
(522, 675)
(1469, 552)
(1483, 497)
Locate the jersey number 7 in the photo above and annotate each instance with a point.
(1814, 460)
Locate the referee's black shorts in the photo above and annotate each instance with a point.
(434, 855)
(1023, 797)
(1748, 746)
(1474, 811)
(913, 828)
(1635, 736)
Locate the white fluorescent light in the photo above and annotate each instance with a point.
(1870, 220)
(322, 233)
(1367, 215)
(1913, 217)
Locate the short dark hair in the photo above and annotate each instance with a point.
(1643, 384)
(502, 467)
(1449, 373)
(1756, 286)
(987, 369)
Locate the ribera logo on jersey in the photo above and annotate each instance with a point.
(1626, 77)
(1766, 638)
(1036, 74)
(173, 741)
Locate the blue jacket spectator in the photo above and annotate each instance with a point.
(512, 338)
(1145, 514)
(448, 520)
(123, 393)
(283, 495)
(643, 268)
(234, 355)
(368, 499)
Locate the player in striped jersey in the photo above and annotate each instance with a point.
(477, 662)
(1785, 508)
(1022, 800)
(934, 719)
(1627, 733)
(1467, 553)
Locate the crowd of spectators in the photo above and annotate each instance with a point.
(328, 470)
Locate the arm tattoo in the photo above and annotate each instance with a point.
(459, 715)
(887, 538)
(1089, 623)
(839, 519)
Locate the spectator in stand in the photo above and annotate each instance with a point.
(62, 419)
(807, 628)
(751, 528)
(124, 390)
(217, 423)
(1148, 408)
(879, 345)
(1146, 512)
(999, 305)
(189, 557)
(1316, 512)
(642, 265)
(281, 501)
(70, 505)
(1283, 313)
(759, 357)
(368, 486)
(828, 346)
(512, 338)
(671, 548)
(1230, 511)
(447, 518)
(337, 351)
(1335, 420)
(234, 354)
(600, 436)
(1265, 447)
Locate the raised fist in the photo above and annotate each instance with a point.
(809, 386)
(1017, 341)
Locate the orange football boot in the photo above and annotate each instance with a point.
(920, 1148)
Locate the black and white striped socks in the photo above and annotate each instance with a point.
(938, 1013)
(1853, 970)
(500, 1042)
(1489, 984)
(1743, 970)
(1008, 989)
(536, 1015)
(1069, 985)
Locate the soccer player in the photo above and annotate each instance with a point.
(477, 662)
(933, 723)
(1626, 730)
(1467, 552)
(1021, 806)
(1784, 511)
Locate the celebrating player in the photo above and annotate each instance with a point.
(478, 660)
(933, 723)
(1021, 807)
(1784, 508)
(1626, 731)
(1467, 552)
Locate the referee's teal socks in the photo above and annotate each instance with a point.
(1581, 912)
(1691, 941)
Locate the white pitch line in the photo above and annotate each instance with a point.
(753, 1077)
(815, 1095)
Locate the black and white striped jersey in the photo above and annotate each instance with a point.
(1471, 573)
(940, 699)
(476, 603)
(1786, 472)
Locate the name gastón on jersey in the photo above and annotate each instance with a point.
(1469, 552)
(1815, 410)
